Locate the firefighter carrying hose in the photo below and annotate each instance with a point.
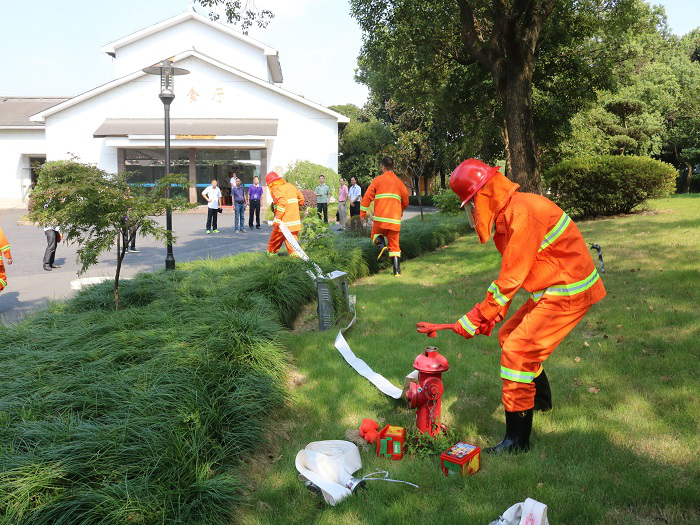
(390, 200)
(4, 252)
(543, 253)
(286, 199)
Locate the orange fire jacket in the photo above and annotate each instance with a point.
(4, 246)
(286, 199)
(390, 200)
(542, 249)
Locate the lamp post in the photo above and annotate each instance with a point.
(167, 73)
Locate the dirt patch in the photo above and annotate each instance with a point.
(295, 379)
(307, 320)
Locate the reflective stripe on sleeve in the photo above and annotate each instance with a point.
(5, 248)
(384, 219)
(497, 295)
(554, 233)
(467, 324)
(387, 196)
(364, 208)
(277, 221)
(516, 375)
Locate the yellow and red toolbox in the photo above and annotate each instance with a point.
(462, 458)
(391, 442)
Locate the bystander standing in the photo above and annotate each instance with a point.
(254, 197)
(354, 194)
(53, 237)
(212, 194)
(322, 193)
(342, 203)
(239, 203)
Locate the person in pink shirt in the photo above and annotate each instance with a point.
(342, 203)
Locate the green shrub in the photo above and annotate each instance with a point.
(314, 232)
(427, 200)
(447, 201)
(305, 175)
(608, 185)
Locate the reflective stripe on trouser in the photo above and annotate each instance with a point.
(276, 240)
(527, 339)
(3, 276)
(392, 239)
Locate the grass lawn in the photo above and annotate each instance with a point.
(621, 445)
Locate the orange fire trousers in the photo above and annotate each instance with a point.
(392, 238)
(276, 240)
(527, 339)
(3, 276)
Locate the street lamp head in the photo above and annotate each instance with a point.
(167, 73)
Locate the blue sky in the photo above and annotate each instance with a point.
(53, 47)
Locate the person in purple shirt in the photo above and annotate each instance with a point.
(254, 197)
(239, 202)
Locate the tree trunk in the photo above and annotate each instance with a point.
(442, 178)
(689, 178)
(524, 166)
(121, 252)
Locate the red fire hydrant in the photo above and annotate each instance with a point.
(426, 394)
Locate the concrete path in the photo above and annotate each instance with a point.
(30, 287)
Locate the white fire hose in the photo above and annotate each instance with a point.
(329, 467)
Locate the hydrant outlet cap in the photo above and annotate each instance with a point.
(431, 361)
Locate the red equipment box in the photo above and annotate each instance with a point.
(390, 442)
(462, 458)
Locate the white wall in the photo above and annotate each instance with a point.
(15, 148)
(188, 35)
(303, 132)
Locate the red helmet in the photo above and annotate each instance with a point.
(469, 177)
(271, 177)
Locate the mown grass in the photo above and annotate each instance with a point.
(143, 415)
(621, 445)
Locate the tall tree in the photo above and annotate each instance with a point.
(517, 70)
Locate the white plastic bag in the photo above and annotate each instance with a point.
(530, 512)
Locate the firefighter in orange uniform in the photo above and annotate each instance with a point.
(391, 199)
(543, 253)
(4, 252)
(286, 199)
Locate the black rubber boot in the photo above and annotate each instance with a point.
(397, 266)
(543, 394)
(381, 244)
(518, 429)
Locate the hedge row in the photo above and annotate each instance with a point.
(143, 415)
(608, 185)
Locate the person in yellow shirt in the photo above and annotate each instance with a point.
(5, 251)
(390, 198)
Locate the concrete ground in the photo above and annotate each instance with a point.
(30, 287)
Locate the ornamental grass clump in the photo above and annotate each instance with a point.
(145, 414)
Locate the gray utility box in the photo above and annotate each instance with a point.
(325, 298)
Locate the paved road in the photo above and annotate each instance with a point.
(30, 287)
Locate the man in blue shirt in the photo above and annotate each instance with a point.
(239, 203)
(254, 197)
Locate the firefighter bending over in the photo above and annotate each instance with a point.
(4, 252)
(543, 253)
(390, 200)
(286, 200)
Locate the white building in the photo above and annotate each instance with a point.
(229, 114)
